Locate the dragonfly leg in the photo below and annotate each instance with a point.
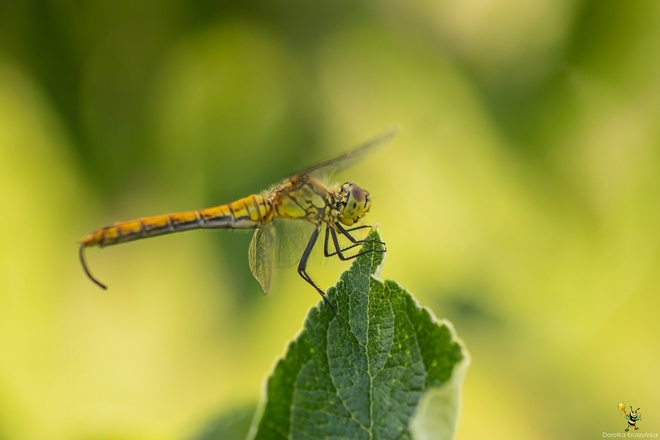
(325, 244)
(346, 232)
(302, 270)
(335, 243)
(339, 251)
(355, 242)
(357, 228)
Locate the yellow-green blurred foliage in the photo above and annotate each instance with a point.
(520, 200)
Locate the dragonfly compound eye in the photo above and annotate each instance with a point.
(356, 203)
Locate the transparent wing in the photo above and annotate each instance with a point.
(292, 238)
(279, 244)
(334, 165)
(261, 256)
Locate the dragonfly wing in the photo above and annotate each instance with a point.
(334, 165)
(261, 255)
(279, 244)
(292, 237)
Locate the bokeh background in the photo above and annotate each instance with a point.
(520, 200)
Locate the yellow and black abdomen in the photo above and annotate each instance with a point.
(247, 213)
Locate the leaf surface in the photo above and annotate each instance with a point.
(387, 370)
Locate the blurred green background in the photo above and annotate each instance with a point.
(520, 200)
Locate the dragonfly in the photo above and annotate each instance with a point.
(300, 198)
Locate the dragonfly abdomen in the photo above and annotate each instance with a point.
(246, 213)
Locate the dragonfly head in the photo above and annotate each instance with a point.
(354, 203)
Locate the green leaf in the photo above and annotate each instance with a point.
(388, 369)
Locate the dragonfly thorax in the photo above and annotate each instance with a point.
(353, 203)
